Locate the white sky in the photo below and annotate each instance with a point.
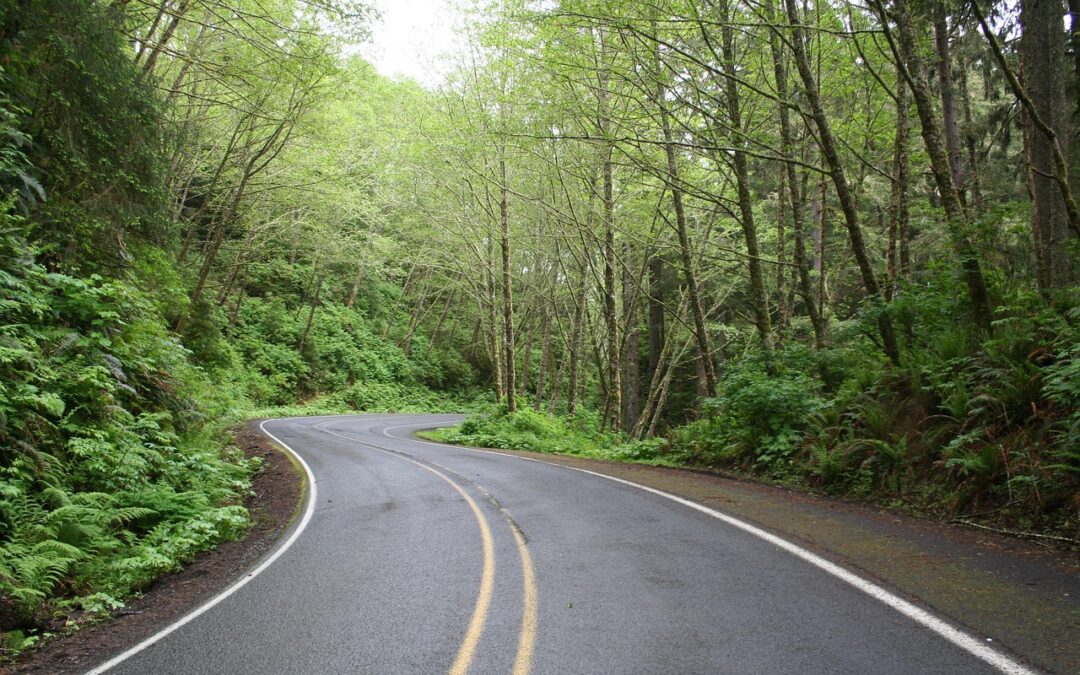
(410, 38)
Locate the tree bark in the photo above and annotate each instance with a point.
(493, 324)
(442, 317)
(782, 310)
(545, 358)
(708, 378)
(653, 406)
(311, 312)
(576, 332)
(901, 215)
(1074, 41)
(946, 90)
(974, 183)
(1042, 58)
(656, 310)
(631, 375)
(507, 292)
(1061, 167)
(355, 288)
(819, 241)
(614, 392)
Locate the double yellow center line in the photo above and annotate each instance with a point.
(467, 650)
(527, 636)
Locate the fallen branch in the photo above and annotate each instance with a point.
(1017, 533)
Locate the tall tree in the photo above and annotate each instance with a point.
(839, 178)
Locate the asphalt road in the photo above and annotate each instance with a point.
(423, 558)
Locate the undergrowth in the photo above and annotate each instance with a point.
(970, 427)
(109, 472)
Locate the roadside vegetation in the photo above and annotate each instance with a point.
(836, 248)
(988, 438)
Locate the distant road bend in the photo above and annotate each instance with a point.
(415, 557)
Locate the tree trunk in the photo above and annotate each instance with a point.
(610, 311)
(662, 395)
(355, 288)
(442, 318)
(787, 145)
(762, 319)
(528, 328)
(946, 90)
(545, 358)
(614, 392)
(163, 39)
(901, 215)
(576, 332)
(973, 182)
(631, 376)
(507, 296)
(493, 324)
(843, 192)
(1057, 150)
(656, 311)
(311, 313)
(660, 372)
(819, 241)
(782, 312)
(234, 313)
(890, 259)
(708, 378)
(1074, 41)
(230, 279)
(406, 290)
(1042, 57)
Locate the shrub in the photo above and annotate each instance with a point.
(526, 429)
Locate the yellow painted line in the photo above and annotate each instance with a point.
(530, 603)
(487, 582)
(467, 651)
(527, 637)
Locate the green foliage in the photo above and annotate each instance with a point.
(760, 411)
(527, 429)
(94, 124)
(105, 479)
(1063, 386)
(343, 356)
(398, 397)
(245, 224)
(119, 365)
(966, 423)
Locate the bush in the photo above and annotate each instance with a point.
(759, 414)
(526, 429)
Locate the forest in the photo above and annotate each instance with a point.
(833, 245)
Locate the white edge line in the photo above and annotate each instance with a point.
(196, 613)
(957, 637)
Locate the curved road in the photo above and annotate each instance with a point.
(420, 558)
